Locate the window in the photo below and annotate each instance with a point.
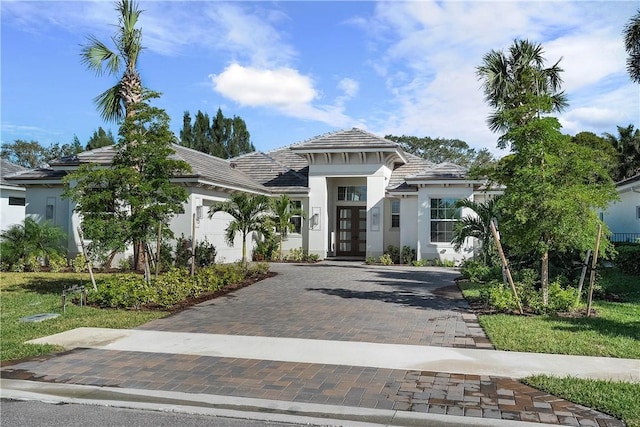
(356, 193)
(443, 218)
(16, 201)
(296, 220)
(638, 212)
(395, 214)
(50, 210)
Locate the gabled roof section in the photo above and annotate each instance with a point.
(353, 140)
(414, 166)
(268, 171)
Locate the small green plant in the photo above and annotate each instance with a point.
(394, 254)
(57, 263)
(420, 263)
(475, 271)
(79, 263)
(313, 258)
(182, 252)
(499, 297)
(408, 255)
(370, 260)
(296, 255)
(386, 259)
(205, 253)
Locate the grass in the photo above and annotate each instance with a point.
(25, 294)
(614, 332)
(619, 399)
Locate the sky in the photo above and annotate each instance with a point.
(293, 70)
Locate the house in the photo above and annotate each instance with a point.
(361, 193)
(12, 196)
(623, 216)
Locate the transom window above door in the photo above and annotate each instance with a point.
(353, 193)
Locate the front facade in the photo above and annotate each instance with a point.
(361, 193)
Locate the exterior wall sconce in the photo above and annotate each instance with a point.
(375, 219)
(314, 220)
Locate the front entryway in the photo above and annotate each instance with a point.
(352, 231)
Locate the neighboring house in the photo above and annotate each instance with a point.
(361, 193)
(623, 216)
(12, 196)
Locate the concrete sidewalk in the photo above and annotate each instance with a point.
(375, 355)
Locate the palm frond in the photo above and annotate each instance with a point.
(109, 104)
(99, 57)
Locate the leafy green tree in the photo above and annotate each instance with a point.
(57, 151)
(26, 245)
(249, 213)
(185, 133)
(518, 80)
(627, 146)
(27, 154)
(477, 226)
(125, 203)
(100, 138)
(553, 186)
(632, 46)
(283, 211)
(117, 102)
(607, 155)
(439, 150)
(221, 137)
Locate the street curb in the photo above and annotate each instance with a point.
(236, 407)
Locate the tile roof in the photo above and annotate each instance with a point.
(353, 139)
(441, 171)
(8, 168)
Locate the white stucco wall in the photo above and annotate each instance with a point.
(11, 214)
(409, 223)
(319, 234)
(439, 250)
(622, 216)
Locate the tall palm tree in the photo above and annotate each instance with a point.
(117, 102)
(477, 226)
(249, 214)
(632, 46)
(627, 144)
(518, 81)
(283, 212)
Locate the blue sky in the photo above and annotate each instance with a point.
(296, 69)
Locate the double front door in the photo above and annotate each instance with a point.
(352, 231)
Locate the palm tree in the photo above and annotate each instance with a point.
(477, 226)
(249, 214)
(117, 102)
(518, 86)
(632, 46)
(24, 245)
(627, 145)
(284, 211)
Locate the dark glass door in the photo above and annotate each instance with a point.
(352, 231)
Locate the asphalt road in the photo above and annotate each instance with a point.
(38, 414)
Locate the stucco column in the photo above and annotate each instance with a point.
(318, 217)
(375, 215)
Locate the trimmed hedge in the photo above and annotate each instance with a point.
(627, 258)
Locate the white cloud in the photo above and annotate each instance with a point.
(349, 87)
(282, 88)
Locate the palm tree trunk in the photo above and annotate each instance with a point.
(244, 248)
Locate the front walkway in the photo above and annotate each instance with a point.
(345, 302)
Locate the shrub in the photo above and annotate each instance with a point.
(205, 253)
(173, 286)
(386, 259)
(57, 263)
(182, 252)
(475, 271)
(561, 298)
(266, 249)
(122, 291)
(499, 297)
(407, 255)
(166, 256)
(420, 263)
(313, 257)
(296, 255)
(394, 254)
(370, 260)
(79, 263)
(627, 258)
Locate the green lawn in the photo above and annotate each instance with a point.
(614, 332)
(25, 294)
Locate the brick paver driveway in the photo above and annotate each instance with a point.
(344, 301)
